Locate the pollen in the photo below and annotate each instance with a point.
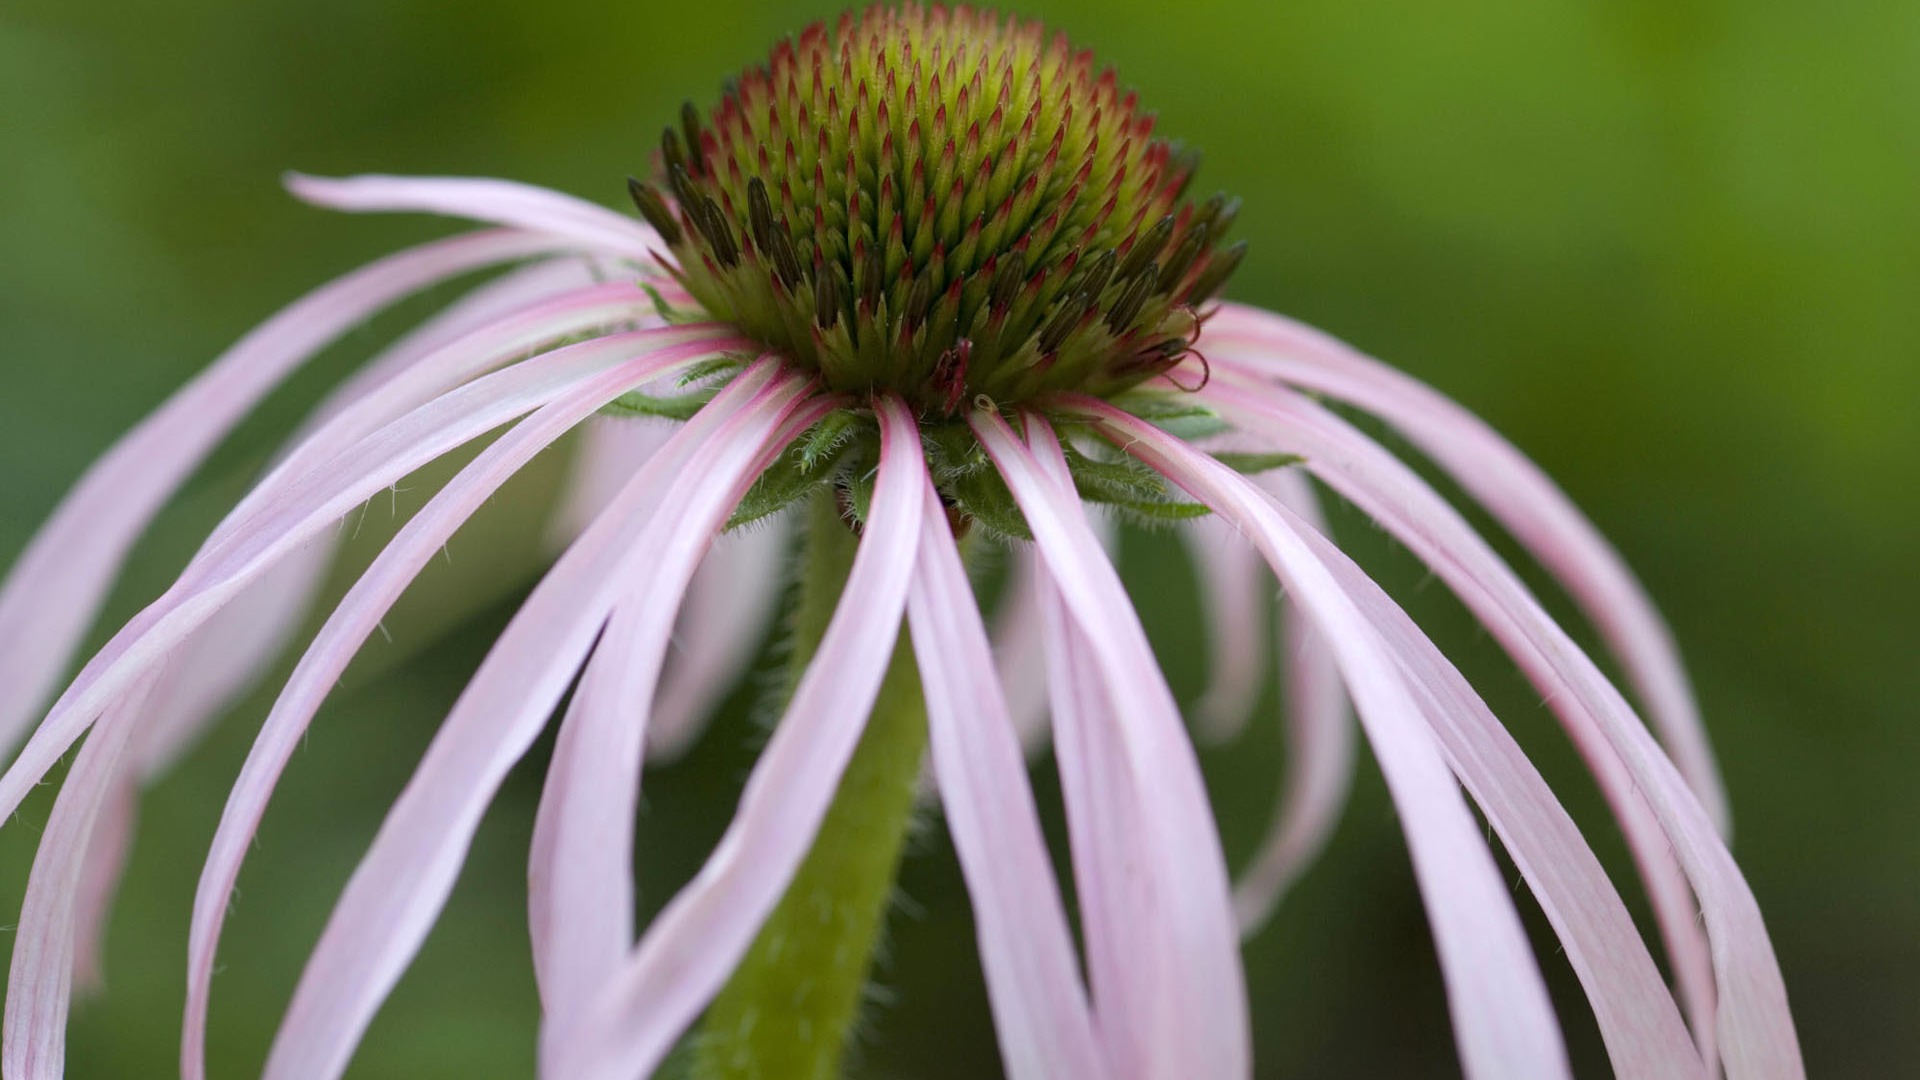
(945, 203)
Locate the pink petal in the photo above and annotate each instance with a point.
(691, 948)
(1319, 742)
(39, 982)
(1235, 597)
(500, 202)
(1641, 1025)
(1182, 996)
(1376, 481)
(1514, 489)
(223, 660)
(728, 606)
(318, 493)
(1033, 980)
(580, 871)
(1503, 1020)
(56, 585)
(1019, 637)
(398, 889)
(611, 450)
(351, 623)
(722, 624)
(1019, 650)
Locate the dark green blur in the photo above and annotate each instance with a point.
(1672, 249)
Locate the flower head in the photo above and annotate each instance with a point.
(925, 275)
(943, 204)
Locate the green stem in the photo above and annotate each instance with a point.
(791, 1006)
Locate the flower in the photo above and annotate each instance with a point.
(926, 276)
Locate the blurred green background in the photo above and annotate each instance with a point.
(1671, 248)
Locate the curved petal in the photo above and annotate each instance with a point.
(56, 585)
(1319, 735)
(1503, 1019)
(722, 625)
(686, 955)
(349, 626)
(1235, 598)
(1524, 499)
(398, 889)
(728, 606)
(1019, 649)
(1182, 994)
(40, 979)
(1395, 496)
(1639, 1021)
(1039, 1004)
(321, 493)
(580, 870)
(502, 202)
(223, 660)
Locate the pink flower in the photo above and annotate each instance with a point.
(689, 320)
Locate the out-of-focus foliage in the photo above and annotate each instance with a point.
(1673, 249)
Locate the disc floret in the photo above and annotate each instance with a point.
(943, 203)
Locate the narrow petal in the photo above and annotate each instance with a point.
(1019, 649)
(352, 622)
(320, 493)
(1033, 980)
(397, 891)
(686, 955)
(1639, 1021)
(728, 606)
(501, 202)
(1514, 490)
(1754, 1023)
(1319, 734)
(39, 982)
(223, 660)
(722, 624)
(612, 449)
(1235, 598)
(56, 585)
(1186, 991)
(1019, 637)
(1395, 496)
(1503, 1020)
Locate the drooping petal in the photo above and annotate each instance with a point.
(1019, 649)
(1503, 1020)
(1039, 1004)
(401, 883)
(1019, 637)
(581, 871)
(502, 202)
(722, 623)
(1184, 992)
(686, 955)
(317, 494)
(40, 979)
(1319, 734)
(1381, 485)
(611, 450)
(349, 626)
(1522, 497)
(1639, 1021)
(1235, 598)
(728, 606)
(56, 585)
(224, 659)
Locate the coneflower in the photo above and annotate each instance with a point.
(926, 281)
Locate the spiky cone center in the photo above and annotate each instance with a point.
(945, 204)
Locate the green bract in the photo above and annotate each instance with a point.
(945, 204)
